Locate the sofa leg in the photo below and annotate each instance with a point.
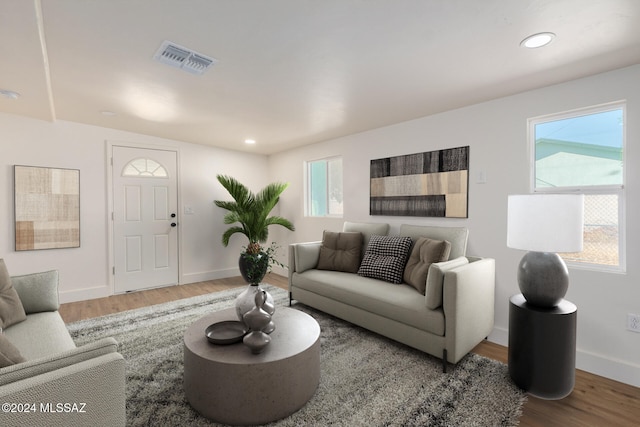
(290, 299)
(444, 361)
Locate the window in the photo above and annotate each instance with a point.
(583, 152)
(324, 187)
(144, 168)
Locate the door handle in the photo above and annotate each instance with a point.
(173, 224)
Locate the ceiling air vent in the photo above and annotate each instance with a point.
(181, 57)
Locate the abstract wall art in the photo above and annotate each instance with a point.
(431, 184)
(47, 208)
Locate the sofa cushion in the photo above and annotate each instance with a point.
(367, 229)
(401, 303)
(457, 236)
(340, 251)
(424, 253)
(385, 258)
(9, 354)
(11, 310)
(40, 334)
(435, 280)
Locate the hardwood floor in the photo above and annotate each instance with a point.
(595, 401)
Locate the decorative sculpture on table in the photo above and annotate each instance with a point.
(257, 319)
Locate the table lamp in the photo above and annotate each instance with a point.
(544, 224)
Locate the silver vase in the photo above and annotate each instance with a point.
(246, 301)
(256, 320)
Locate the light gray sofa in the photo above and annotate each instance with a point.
(59, 384)
(399, 311)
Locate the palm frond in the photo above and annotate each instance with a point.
(230, 232)
(251, 210)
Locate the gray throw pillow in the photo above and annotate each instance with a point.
(340, 251)
(425, 252)
(11, 310)
(385, 258)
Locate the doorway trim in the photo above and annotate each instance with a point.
(109, 144)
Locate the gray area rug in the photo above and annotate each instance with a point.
(366, 379)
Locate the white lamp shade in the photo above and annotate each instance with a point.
(545, 222)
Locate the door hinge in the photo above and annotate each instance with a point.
(113, 271)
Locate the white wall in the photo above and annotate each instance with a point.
(496, 133)
(84, 271)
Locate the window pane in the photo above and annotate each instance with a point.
(324, 192)
(318, 188)
(579, 151)
(144, 168)
(601, 245)
(335, 186)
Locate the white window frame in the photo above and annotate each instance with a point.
(588, 190)
(307, 189)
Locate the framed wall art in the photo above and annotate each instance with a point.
(47, 208)
(430, 184)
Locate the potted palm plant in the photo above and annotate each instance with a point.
(249, 214)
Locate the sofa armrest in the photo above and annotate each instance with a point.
(468, 303)
(91, 392)
(43, 365)
(303, 256)
(37, 291)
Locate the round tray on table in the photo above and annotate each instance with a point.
(226, 332)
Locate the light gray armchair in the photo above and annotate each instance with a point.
(59, 384)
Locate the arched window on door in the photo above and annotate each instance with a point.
(144, 168)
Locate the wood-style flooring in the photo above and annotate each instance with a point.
(595, 401)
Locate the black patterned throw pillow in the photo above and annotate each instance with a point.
(385, 258)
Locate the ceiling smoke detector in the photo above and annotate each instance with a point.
(180, 57)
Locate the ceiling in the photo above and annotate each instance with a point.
(294, 72)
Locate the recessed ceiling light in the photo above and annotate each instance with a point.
(537, 40)
(249, 141)
(9, 94)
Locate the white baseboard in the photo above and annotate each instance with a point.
(85, 294)
(106, 291)
(596, 364)
(500, 336)
(617, 370)
(208, 275)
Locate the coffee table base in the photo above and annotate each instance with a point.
(230, 385)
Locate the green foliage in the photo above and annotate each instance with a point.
(251, 211)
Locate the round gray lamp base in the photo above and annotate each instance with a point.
(543, 278)
(542, 347)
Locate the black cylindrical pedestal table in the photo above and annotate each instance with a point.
(542, 347)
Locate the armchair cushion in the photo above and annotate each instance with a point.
(9, 354)
(385, 258)
(425, 252)
(340, 251)
(38, 291)
(11, 309)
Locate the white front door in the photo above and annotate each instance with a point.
(145, 222)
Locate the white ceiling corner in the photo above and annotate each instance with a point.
(293, 72)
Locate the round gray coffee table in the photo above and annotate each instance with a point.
(229, 384)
